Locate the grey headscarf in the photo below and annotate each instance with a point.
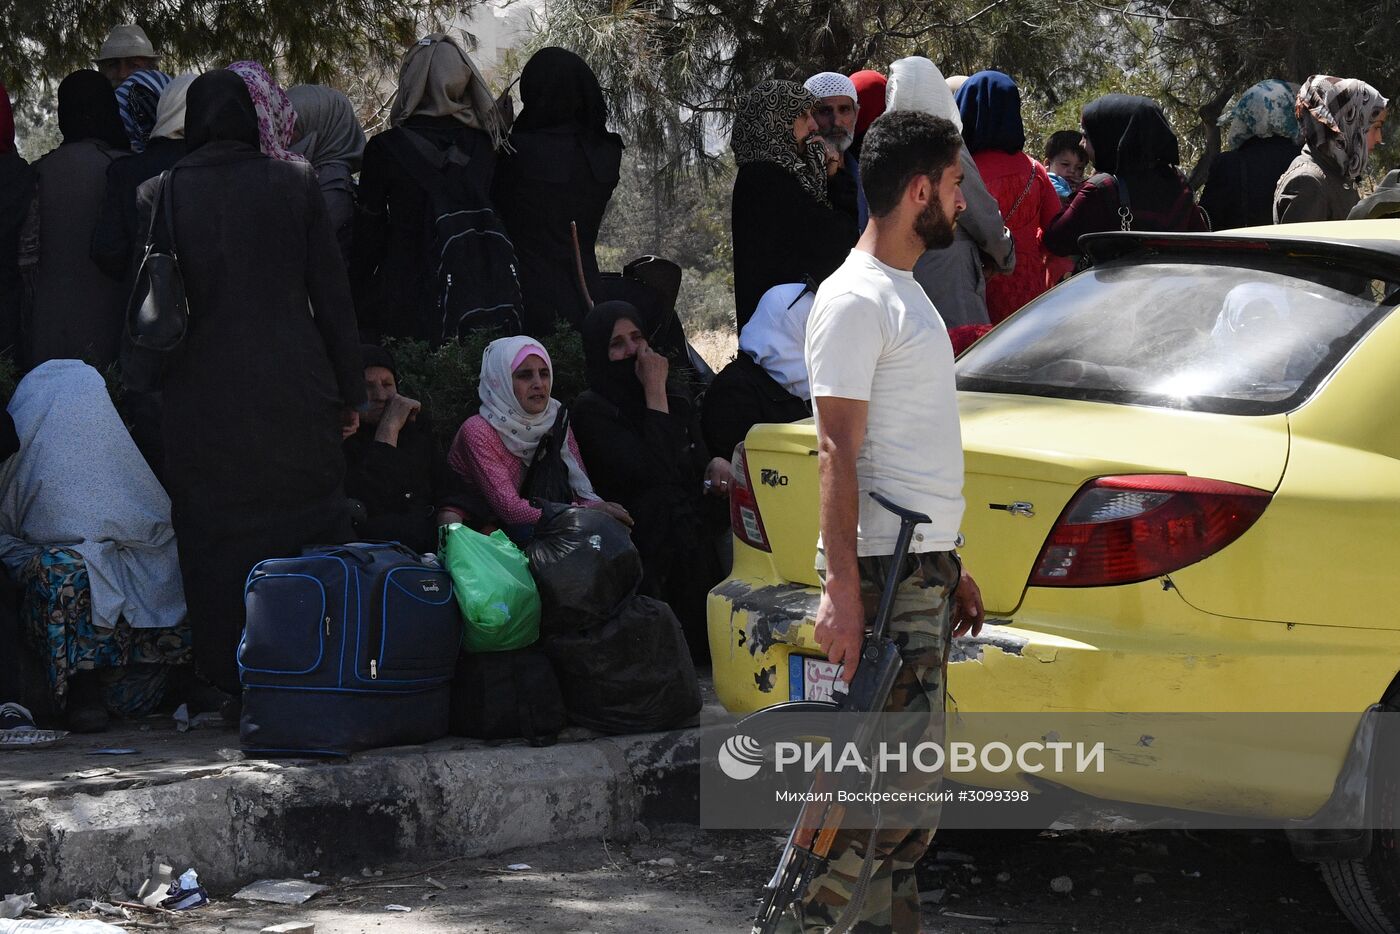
(327, 130)
(439, 79)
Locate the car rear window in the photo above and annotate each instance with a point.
(1199, 336)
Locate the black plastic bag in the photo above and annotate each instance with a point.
(584, 565)
(505, 695)
(631, 673)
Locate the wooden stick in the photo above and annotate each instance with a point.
(578, 265)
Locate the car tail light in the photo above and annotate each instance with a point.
(1120, 530)
(744, 517)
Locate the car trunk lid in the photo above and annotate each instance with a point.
(1026, 456)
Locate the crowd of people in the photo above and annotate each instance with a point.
(279, 423)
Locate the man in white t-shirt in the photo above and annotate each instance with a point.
(881, 372)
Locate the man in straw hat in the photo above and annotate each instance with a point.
(127, 49)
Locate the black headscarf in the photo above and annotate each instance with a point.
(218, 107)
(614, 380)
(375, 355)
(87, 109)
(558, 89)
(1129, 134)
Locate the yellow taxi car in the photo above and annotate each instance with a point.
(1182, 495)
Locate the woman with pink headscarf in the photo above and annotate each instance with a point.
(277, 120)
(494, 449)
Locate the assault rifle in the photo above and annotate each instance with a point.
(805, 855)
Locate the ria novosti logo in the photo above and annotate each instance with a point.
(741, 757)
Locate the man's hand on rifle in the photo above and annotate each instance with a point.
(968, 612)
(841, 625)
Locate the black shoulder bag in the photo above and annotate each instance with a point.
(158, 314)
(547, 477)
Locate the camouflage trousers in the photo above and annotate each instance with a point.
(920, 626)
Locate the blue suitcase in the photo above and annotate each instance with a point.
(347, 648)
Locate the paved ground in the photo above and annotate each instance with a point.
(1217, 882)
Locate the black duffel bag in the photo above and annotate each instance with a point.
(630, 673)
(584, 565)
(506, 695)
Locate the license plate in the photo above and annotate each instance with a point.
(812, 678)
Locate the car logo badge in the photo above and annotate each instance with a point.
(1019, 508)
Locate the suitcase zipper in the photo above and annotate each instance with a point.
(328, 625)
(373, 670)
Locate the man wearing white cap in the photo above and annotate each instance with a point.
(126, 50)
(836, 121)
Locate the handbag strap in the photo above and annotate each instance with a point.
(1022, 197)
(1125, 206)
(168, 196)
(164, 208)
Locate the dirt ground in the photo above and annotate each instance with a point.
(1152, 882)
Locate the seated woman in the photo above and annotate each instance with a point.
(396, 474)
(494, 449)
(646, 452)
(85, 529)
(767, 380)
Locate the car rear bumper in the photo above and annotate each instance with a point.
(1145, 653)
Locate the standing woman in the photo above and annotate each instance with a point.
(1341, 122)
(77, 309)
(784, 226)
(990, 105)
(442, 106)
(1261, 131)
(1137, 186)
(563, 169)
(270, 370)
(328, 134)
(955, 278)
(16, 190)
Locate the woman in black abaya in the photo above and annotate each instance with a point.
(269, 373)
(564, 168)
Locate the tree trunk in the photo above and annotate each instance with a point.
(1210, 119)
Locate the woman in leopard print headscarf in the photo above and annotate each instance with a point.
(789, 223)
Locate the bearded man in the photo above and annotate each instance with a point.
(881, 375)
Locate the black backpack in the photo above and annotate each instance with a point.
(475, 284)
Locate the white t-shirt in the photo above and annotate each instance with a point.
(874, 336)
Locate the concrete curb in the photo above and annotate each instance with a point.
(246, 820)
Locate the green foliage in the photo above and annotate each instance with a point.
(299, 40)
(446, 379)
(674, 72)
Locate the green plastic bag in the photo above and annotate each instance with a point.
(495, 591)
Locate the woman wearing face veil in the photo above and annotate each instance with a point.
(270, 370)
(644, 452)
(564, 168)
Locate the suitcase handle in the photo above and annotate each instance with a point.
(359, 555)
